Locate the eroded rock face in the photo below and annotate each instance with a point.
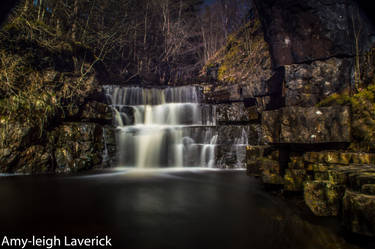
(35, 159)
(323, 197)
(236, 113)
(307, 125)
(15, 139)
(359, 212)
(79, 146)
(96, 111)
(308, 30)
(307, 84)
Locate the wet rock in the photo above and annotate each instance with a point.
(15, 137)
(96, 111)
(235, 113)
(35, 159)
(255, 152)
(271, 126)
(7, 159)
(363, 158)
(359, 213)
(307, 84)
(64, 160)
(231, 157)
(323, 198)
(314, 125)
(296, 162)
(270, 171)
(225, 93)
(306, 125)
(238, 134)
(257, 159)
(80, 146)
(294, 179)
(338, 157)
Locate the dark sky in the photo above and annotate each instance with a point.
(209, 1)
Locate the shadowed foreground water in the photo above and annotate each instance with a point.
(158, 209)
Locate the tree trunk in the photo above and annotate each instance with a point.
(75, 16)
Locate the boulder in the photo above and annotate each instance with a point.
(294, 179)
(306, 125)
(323, 197)
(270, 171)
(315, 125)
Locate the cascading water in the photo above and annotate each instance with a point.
(163, 127)
(239, 148)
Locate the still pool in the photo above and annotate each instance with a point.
(164, 209)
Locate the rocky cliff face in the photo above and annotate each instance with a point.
(51, 115)
(313, 135)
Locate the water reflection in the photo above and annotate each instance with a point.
(159, 209)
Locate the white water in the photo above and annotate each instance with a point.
(163, 127)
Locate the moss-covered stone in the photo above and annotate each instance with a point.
(311, 156)
(294, 179)
(359, 213)
(363, 111)
(296, 162)
(79, 146)
(323, 197)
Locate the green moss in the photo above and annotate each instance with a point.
(363, 116)
(243, 55)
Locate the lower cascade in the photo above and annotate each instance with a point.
(168, 127)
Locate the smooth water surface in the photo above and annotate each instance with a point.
(163, 209)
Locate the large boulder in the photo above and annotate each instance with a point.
(307, 125)
(323, 197)
(315, 125)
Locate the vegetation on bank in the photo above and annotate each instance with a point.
(41, 72)
(244, 55)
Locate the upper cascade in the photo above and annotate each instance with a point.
(152, 96)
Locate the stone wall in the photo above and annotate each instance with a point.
(302, 147)
(305, 148)
(72, 143)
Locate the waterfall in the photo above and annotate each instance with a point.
(163, 127)
(239, 149)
